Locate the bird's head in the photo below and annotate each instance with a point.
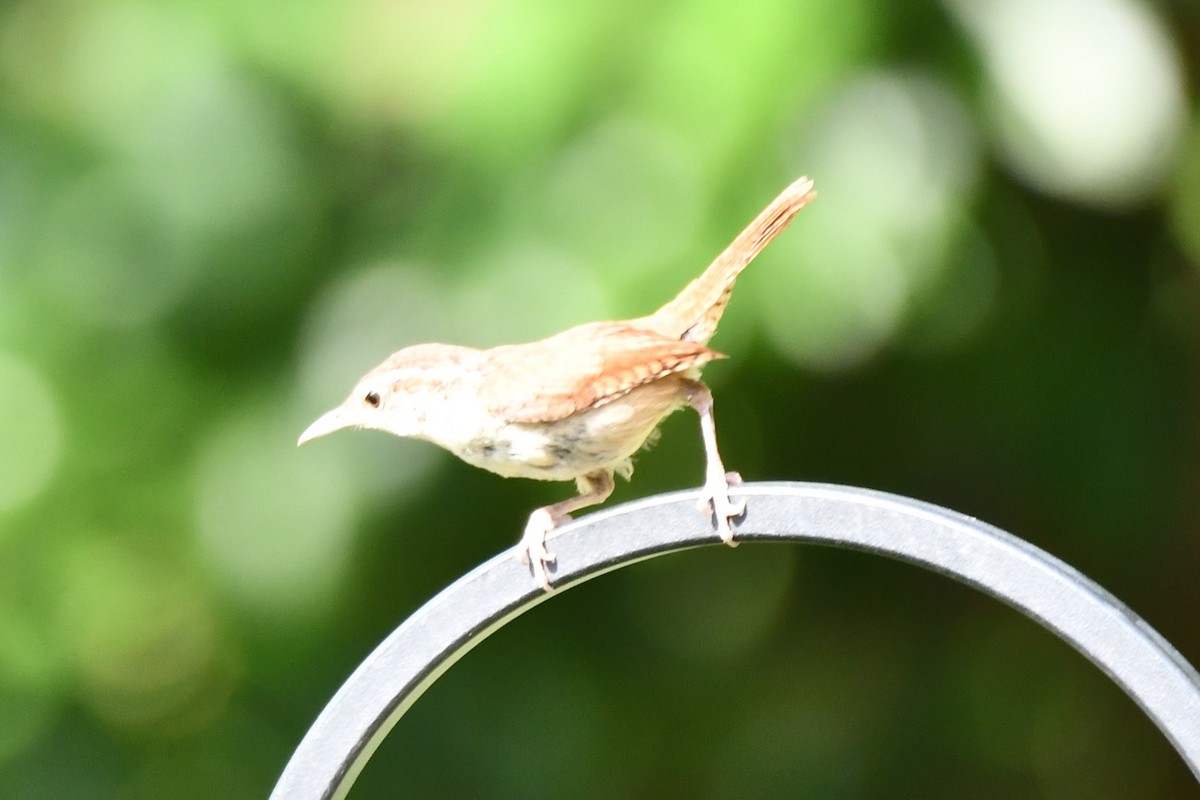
(399, 395)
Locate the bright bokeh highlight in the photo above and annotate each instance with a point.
(1087, 96)
(32, 434)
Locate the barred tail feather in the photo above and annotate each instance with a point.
(693, 314)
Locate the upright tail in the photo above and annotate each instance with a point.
(694, 313)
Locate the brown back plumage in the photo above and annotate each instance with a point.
(586, 366)
(694, 313)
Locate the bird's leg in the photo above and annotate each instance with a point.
(715, 497)
(594, 488)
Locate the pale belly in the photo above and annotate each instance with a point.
(597, 439)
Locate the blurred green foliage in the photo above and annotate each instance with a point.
(215, 215)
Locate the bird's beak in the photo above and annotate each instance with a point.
(328, 422)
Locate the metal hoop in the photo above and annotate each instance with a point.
(1040, 586)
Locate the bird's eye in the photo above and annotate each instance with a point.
(372, 399)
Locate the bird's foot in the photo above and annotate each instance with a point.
(532, 548)
(714, 499)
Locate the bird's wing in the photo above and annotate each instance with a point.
(585, 366)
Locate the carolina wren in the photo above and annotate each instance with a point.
(575, 406)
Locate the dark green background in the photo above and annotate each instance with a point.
(215, 215)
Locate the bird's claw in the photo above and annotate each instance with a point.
(715, 500)
(532, 549)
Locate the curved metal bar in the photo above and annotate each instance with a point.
(391, 678)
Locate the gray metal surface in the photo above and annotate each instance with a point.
(391, 679)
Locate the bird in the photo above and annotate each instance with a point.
(575, 406)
